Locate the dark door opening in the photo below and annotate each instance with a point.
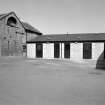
(56, 50)
(87, 50)
(39, 50)
(66, 50)
(104, 50)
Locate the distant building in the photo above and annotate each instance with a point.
(14, 34)
(77, 47)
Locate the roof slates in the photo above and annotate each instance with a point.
(70, 37)
(31, 28)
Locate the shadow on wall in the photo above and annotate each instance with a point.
(101, 62)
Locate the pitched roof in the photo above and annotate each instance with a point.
(25, 25)
(4, 15)
(31, 28)
(70, 37)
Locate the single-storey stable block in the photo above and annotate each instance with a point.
(77, 47)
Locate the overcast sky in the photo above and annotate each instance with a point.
(59, 16)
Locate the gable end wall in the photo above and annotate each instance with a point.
(12, 38)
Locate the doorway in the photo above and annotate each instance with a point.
(66, 50)
(87, 50)
(39, 50)
(56, 50)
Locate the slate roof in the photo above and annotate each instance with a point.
(25, 25)
(31, 28)
(94, 37)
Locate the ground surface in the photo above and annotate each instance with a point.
(50, 82)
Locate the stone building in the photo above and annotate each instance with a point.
(14, 34)
(31, 32)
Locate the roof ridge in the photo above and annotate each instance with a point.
(5, 14)
(74, 34)
(70, 38)
(28, 26)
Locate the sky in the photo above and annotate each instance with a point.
(59, 16)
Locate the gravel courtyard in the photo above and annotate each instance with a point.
(50, 82)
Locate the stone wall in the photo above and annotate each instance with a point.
(30, 35)
(12, 37)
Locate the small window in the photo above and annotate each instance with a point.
(4, 37)
(39, 46)
(24, 48)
